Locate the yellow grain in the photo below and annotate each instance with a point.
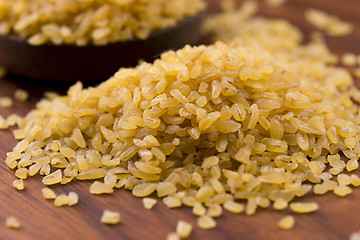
(92, 22)
(61, 200)
(299, 207)
(18, 184)
(110, 217)
(73, 198)
(206, 222)
(53, 178)
(12, 222)
(21, 95)
(183, 229)
(287, 222)
(149, 203)
(48, 193)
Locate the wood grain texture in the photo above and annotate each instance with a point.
(336, 219)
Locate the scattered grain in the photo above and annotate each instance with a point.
(61, 200)
(149, 203)
(6, 102)
(206, 222)
(287, 222)
(73, 198)
(110, 217)
(48, 193)
(332, 25)
(172, 236)
(18, 184)
(21, 95)
(12, 222)
(349, 59)
(183, 229)
(355, 236)
(300, 207)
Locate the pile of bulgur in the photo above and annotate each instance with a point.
(204, 126)
(238, 126)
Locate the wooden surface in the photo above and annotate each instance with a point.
(336, 219)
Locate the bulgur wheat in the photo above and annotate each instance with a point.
(240, 125)
(96, 22)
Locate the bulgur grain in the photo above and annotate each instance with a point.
(18, 184)
(110, 217)
(215, 210)
(53, 178)
(172, 202)
(48, 193)
(183, 229)
(172, 236)
(287, 222)
(149, 203)
(349, 59)
(61, 200)
(6, 102)
(233, 207)
(12, 222)
(332, 25)
(206, 222)
(355, 236)
(239, 125)
(199, 209)
(73, 198)
(21, 95)
(299, 207)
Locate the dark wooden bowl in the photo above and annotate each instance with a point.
(91, 63)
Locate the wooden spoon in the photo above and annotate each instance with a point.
(91, 63)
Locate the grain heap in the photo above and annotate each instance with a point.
(203, 127)
(91, 21)
(261, 120)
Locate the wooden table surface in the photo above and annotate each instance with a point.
(336, 219)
